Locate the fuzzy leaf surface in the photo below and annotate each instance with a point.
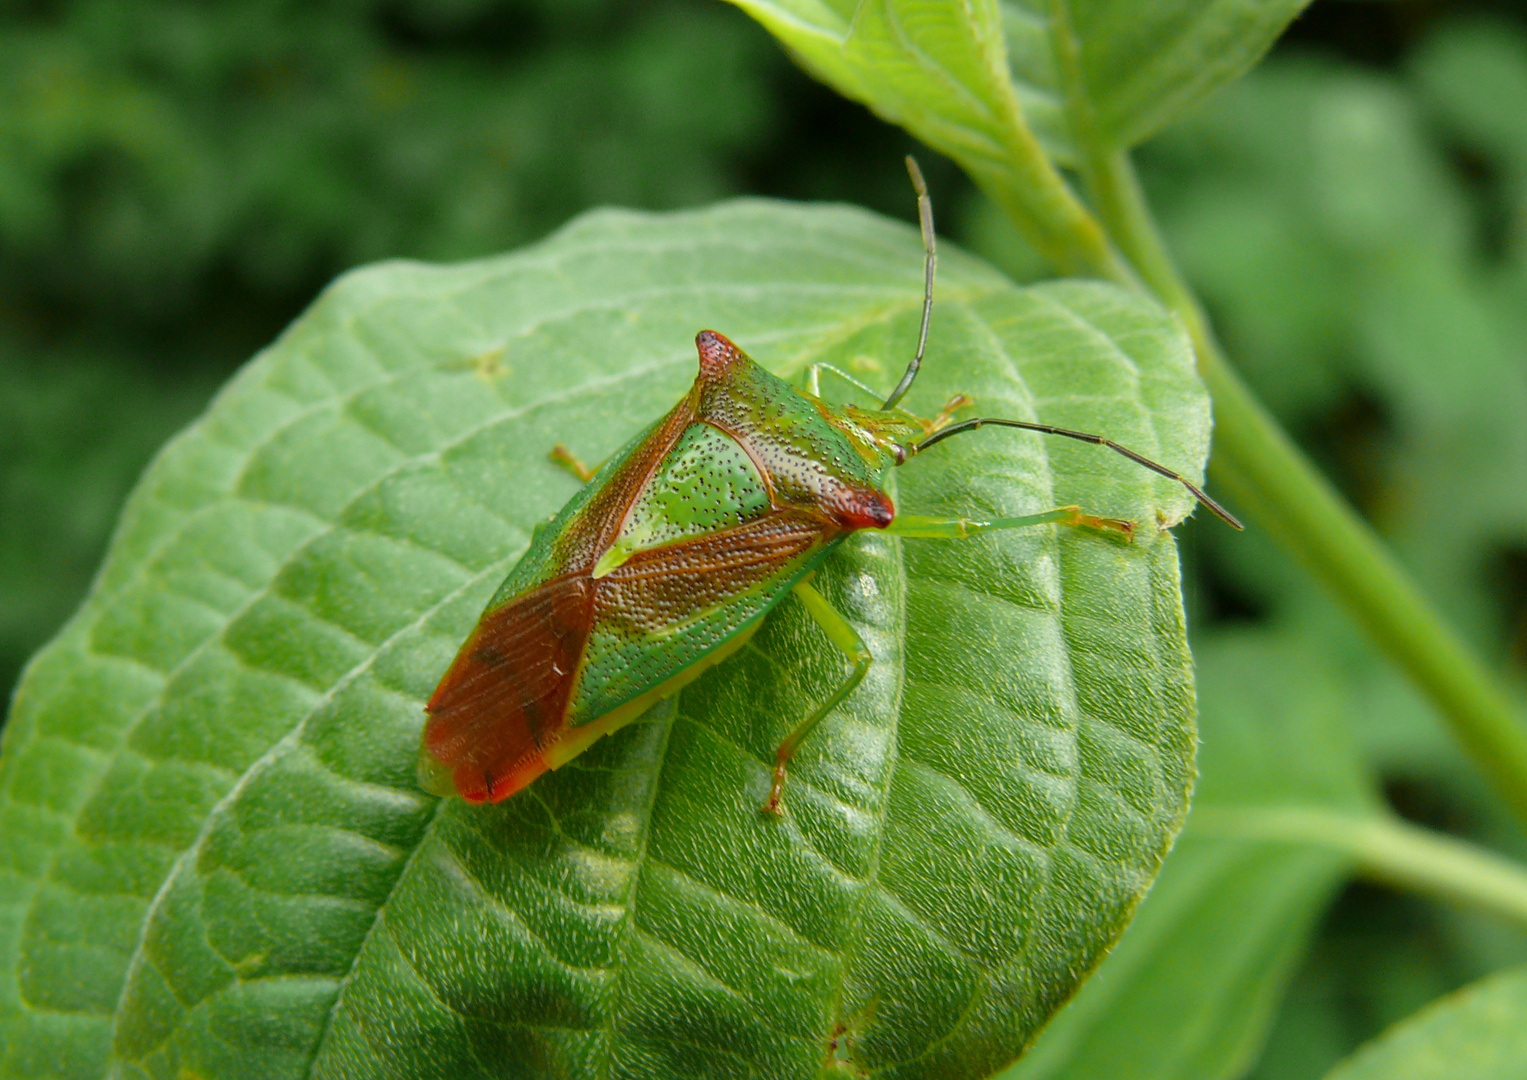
(1191, 990)
(214, 859)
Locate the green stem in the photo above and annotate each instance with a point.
(1280, 488)
(1025, 182)
(1384, 849)
(1017, 174)
(1055, 221)
(1092, 164)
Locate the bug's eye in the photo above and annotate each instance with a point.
(861, 508)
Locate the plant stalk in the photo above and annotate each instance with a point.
(1280, 488)
(1252, 455)
(1384, 849)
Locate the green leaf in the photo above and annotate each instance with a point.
(1191, 990)
(1479, 1033)
(213, 856)
(940, 70)
(1127, 68)
(972, 79)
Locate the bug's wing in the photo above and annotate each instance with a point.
(668, 607)
(575, 648)
(505, 695)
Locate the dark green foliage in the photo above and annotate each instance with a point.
(149, 145)
(177, 180)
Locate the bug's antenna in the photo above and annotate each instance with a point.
(1096, 440)
(930, 260)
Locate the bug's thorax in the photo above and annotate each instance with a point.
(809, 457)
(889, 438)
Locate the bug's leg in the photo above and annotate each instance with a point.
(844, 637)
(931, 528)
(564, 457)
(813, 380)
(946, 414)
(825, 380)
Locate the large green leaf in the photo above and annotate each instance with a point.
(1479, 1033)
(940, 70)
(1190, 992)
(975, 79)
(1114, 72)
(213, 857)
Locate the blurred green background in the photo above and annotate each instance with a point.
(178, 180)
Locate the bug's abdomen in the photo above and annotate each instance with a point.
(505, 695)
(668, 607)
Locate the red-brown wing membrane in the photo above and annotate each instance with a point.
(504, 699)
(506, 692)
(665, 585)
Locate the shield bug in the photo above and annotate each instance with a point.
(672, 553)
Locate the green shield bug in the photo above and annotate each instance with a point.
(669, 557)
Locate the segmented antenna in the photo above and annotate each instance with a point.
(930, 260)
(1096, 440)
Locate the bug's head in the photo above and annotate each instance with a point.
(885, 438)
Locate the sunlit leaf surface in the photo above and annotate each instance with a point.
(214, 860)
